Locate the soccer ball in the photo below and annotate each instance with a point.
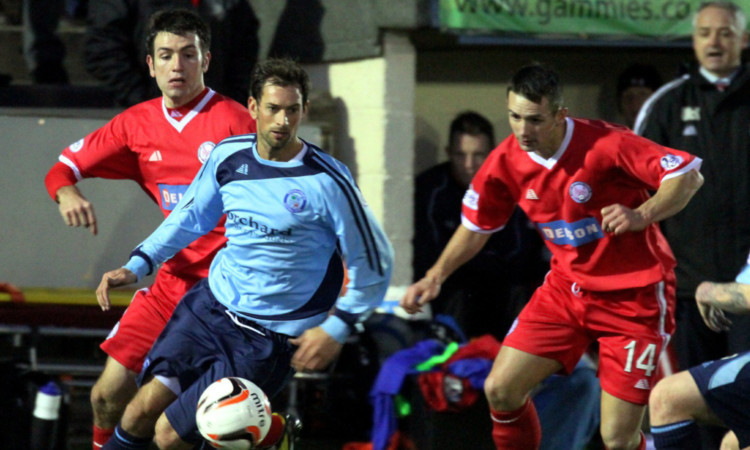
(233, 413)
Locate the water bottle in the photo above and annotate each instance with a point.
(44, 424)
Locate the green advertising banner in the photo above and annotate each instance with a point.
(663, 18)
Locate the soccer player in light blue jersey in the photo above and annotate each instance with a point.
(270, 304)
(714, 392)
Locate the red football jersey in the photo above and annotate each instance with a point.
(598, 164)
(161, 150)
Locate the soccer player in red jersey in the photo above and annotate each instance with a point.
(161, 144)
(585, 184)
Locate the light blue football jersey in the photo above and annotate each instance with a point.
(289, 225)
(744, 275)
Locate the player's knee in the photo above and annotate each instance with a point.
(618, 439)
(98, 396)
(165, 436)
(660, 403)
(500, 396)
(102, 393)
(109, 400)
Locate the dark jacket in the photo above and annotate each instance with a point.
(711, 236)
(115, 49)
(485, 293)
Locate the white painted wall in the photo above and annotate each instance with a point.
(375, 135)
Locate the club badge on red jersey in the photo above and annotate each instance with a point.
(204, 150)
(580, 192)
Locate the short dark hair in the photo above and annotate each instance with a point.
(536, 82)
(470, 122)
(637, 75)
(178, 21)
(279, 72)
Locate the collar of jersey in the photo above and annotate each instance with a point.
(294, 162)
(550, 162)
(179, 125)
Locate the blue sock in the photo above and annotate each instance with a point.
(122, 440)
(677, 436)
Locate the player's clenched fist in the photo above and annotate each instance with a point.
(618, 219)
(419, 294)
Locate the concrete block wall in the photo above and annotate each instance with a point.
(375, 135)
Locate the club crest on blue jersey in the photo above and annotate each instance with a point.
(76, 146)
(171, 195)
(576, 233)
(671, 161)
(580, 192)
(295, 201)
(204, 150)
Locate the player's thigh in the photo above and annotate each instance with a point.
(549, 326)
(621, 420)
(514, 374)
(149, 403)
(135, 333)
(116, 382)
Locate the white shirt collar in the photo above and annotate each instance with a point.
(714, 79)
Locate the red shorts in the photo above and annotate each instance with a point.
(632, 327)
(140, 325)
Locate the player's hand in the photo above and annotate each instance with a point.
(316, 350)
(419, 294)
(714, 317)
(618, 219)
(75, 210)
(113, 278)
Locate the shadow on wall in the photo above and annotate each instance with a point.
(344, 145)
(298, 33)
(426, 146)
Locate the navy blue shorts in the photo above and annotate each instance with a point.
(725, 385)
(203, 342)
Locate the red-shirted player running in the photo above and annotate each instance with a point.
(160, 144)
(585, 185)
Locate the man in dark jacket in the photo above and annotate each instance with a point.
(707, 113)
(114, 52)
(487, 293)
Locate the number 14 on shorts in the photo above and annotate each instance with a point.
(645, 360)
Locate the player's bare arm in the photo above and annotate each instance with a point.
(671, 197)
(714, 299)
(463, 246)
(113, 278)
(75, 210)
(316, 350)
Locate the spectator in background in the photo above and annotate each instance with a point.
(707, 113)
(487, 293)
(43, 49)
(114, 53)
(634, 86)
